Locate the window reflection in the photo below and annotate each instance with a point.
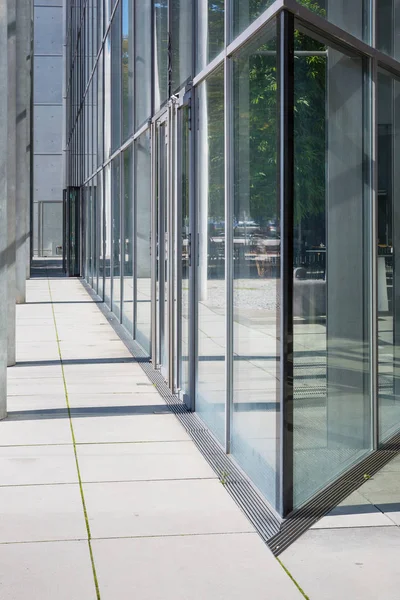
(143, 240)
(127, 68)
(211, 397)
(332, 417)
(161, 91)
(210, 37)
(256, 241)
(388, 244)
(127, 251)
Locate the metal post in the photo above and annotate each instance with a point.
(286, 197)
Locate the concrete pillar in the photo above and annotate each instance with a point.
(3, 207)
(23, 20)
(11, 177)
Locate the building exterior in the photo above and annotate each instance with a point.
(48, 128)
(230, 195)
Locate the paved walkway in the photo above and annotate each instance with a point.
(102, 492)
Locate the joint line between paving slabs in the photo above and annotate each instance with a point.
(96, 583)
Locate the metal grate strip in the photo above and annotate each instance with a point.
(278, 534)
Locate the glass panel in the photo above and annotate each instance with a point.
(143, 61)
(388, 247)
(181, 29)
(247, 11)
(94, 233)
(211, 388)
(387, 17)
(143, 240)
(351, 15)
(183, 185)
(116, 236)
(127, 68)
(107, 98)
(116, 80)
(100, 248)
(256, 263)
(107, 235)
(161, 52)
(332, 407)
(210, 27)
(127, 313)
(100, 111)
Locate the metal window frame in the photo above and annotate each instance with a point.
(78, 86)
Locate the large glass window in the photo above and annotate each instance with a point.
(388, 249)
(127, 68)
(161, 38)
(107, 90)
(181, 31)
(387, 18)
(332, 406)
(143, 72)
(101, 242)
(100, 110)
(256, 241)
(143, 240)
(116, 235)
(107, 235)
(116, 68)
(128, 297)
(247, 11)
(210, 31)
(211, 387)
(351, 15)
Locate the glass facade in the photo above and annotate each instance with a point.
(237, 168)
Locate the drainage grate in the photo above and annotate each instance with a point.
(278, 534)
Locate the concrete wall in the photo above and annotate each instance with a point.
(47, 126)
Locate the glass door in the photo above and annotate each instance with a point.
(172, 265)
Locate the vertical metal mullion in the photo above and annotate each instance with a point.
(228, 176)
(193, 279)
(286, 197)
(373, 312)
(134, 236)
(121, 232)
(171, 254)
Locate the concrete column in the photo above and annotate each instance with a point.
(23, 20)
(3, 207)
(11, 177)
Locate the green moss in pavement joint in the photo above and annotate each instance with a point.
(96, 583)
(288, 573)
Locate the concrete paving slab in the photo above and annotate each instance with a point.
(142, 462)
(35, 402)
(30, 431)
(156, 508)
(216, 567)
(40, 513)
(29, 465)
(46, 571)
(350, 563)
(130, 428)
(143, 397)
(354, 511)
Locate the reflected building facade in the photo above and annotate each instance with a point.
(231, 196)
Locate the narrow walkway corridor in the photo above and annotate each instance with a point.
(102, 492)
